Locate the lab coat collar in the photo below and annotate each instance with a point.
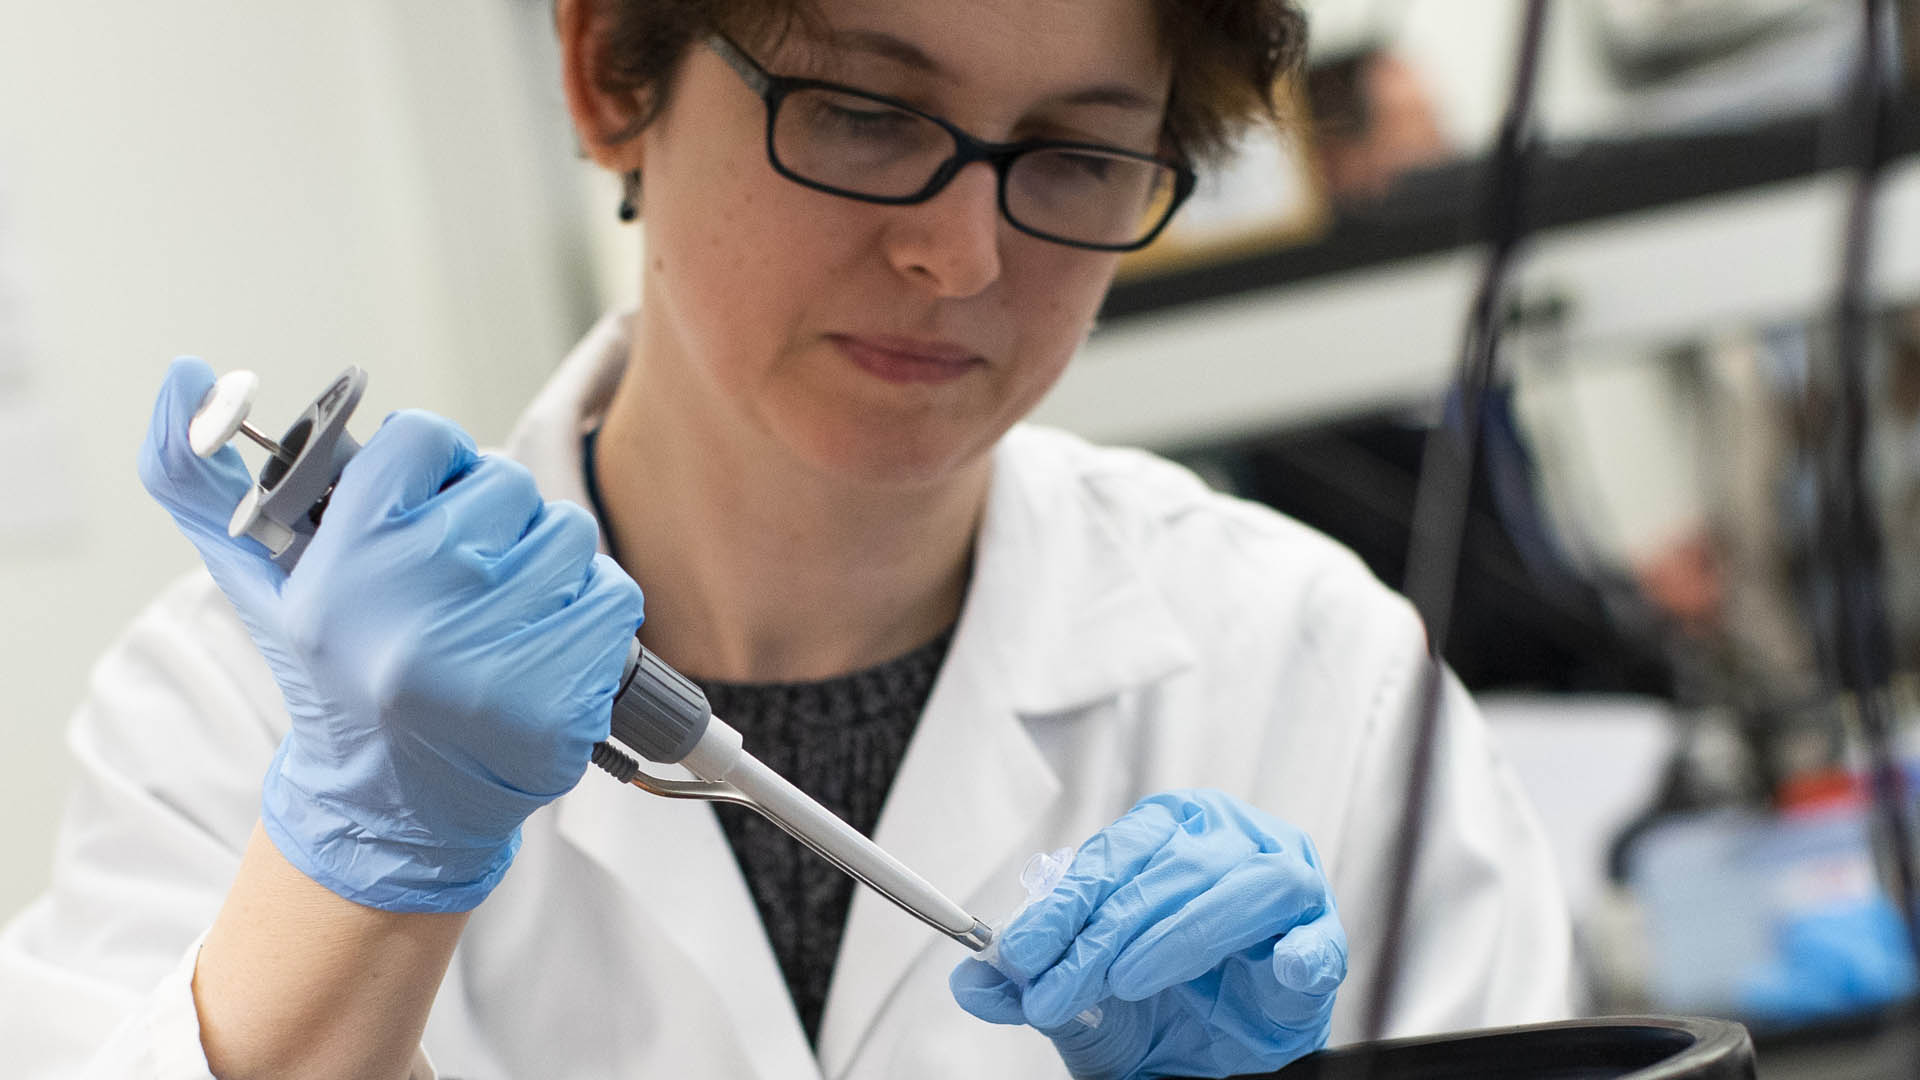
(1057, 617)
(547, 437)
(1062, 599)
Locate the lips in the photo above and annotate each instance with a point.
(906, 360)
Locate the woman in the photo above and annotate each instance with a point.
(875, 233)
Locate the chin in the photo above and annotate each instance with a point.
(915, 457)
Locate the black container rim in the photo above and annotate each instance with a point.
(1612, 1047)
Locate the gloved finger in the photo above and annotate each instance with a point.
(1195, 857)
(1256, 1007)
(613, 599)
(554, 661)
(596, 629)
(606, 610)
(1115, 855)
(203, 490)
(200, 493)
(548, 565)
(412, 457)
(491, 507)
(1260, 898)
(985, 993)
(1308, 965)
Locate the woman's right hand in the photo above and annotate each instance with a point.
(448, 648)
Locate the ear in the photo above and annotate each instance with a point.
(603, 117)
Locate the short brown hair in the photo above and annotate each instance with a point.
(1228, 56)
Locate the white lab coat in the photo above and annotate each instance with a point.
(1126, 631)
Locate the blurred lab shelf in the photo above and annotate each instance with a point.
(1646, 241)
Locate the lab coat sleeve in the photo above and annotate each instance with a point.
(178, 724)
(1487, 940)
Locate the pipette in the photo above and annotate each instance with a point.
(658, 713)
(665, 718)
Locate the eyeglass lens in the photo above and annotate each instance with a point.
(866, 147)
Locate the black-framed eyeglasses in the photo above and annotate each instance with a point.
(877, 149)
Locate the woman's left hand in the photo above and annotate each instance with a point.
(1203, 929)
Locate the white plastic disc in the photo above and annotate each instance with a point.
(222, 412)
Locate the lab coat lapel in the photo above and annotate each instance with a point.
(671, 859)
(968, 794)
(1057, 618)
(681, 883)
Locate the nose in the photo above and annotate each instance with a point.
(951, 243)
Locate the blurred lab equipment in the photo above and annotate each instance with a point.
(1718, 63)
(1699, 519)
(1447, 464)
(1759, 561)
(1373, 120)
(1815, 951)
(1777, 919)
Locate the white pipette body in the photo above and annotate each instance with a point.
(720, 757)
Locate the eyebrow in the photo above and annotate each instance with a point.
(906, 53)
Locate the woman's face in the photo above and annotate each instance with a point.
(883, 343)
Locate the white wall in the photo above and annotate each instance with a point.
(280, 185)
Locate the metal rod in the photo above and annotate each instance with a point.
(1861, 637)
(265, 443)
(1440, 506)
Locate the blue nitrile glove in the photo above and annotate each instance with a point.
(1202, 928)
(1833, 961)
(448, 648)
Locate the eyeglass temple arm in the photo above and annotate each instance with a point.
(756, 76)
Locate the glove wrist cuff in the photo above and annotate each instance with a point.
(345, 856)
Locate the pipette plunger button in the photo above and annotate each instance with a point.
(223, 414)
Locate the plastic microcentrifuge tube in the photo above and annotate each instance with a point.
(1038, 877)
